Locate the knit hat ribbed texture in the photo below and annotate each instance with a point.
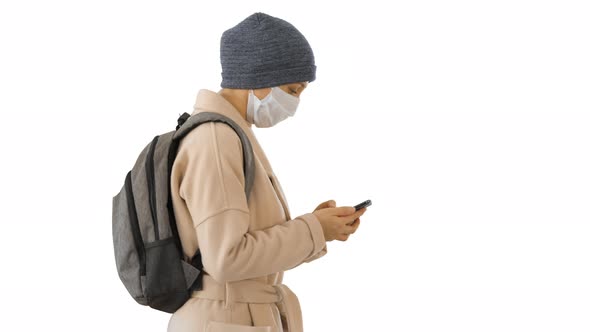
(264, 51)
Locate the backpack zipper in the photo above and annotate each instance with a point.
(135, 232)
(151, 182)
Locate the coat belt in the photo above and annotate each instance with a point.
(255, 291)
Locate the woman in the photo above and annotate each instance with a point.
(246, 245)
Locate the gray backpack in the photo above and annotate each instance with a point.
(148, 251)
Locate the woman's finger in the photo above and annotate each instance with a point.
(348, 229)
(353, 226)
(352, 217)
(346, 211)
(356, 224)
(326, 204)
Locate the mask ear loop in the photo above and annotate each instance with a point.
(252, 106)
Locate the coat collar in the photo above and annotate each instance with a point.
(211, 101)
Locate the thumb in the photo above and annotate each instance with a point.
(326, 204)
(343, 210)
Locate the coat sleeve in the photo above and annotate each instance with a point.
(213, 189)
(318, 255)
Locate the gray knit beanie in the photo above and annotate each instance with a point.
(264, 51)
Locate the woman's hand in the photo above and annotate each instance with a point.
(338, 222)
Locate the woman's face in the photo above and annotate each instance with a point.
(294, 89)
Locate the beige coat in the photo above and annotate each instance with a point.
(245, 246)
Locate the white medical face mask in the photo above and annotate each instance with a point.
(272, 109)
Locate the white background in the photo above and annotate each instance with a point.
(466, 122)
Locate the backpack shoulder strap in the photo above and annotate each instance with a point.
(186, 123)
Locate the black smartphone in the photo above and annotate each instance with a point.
(362, 205)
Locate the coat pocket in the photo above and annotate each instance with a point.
(213, 326)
